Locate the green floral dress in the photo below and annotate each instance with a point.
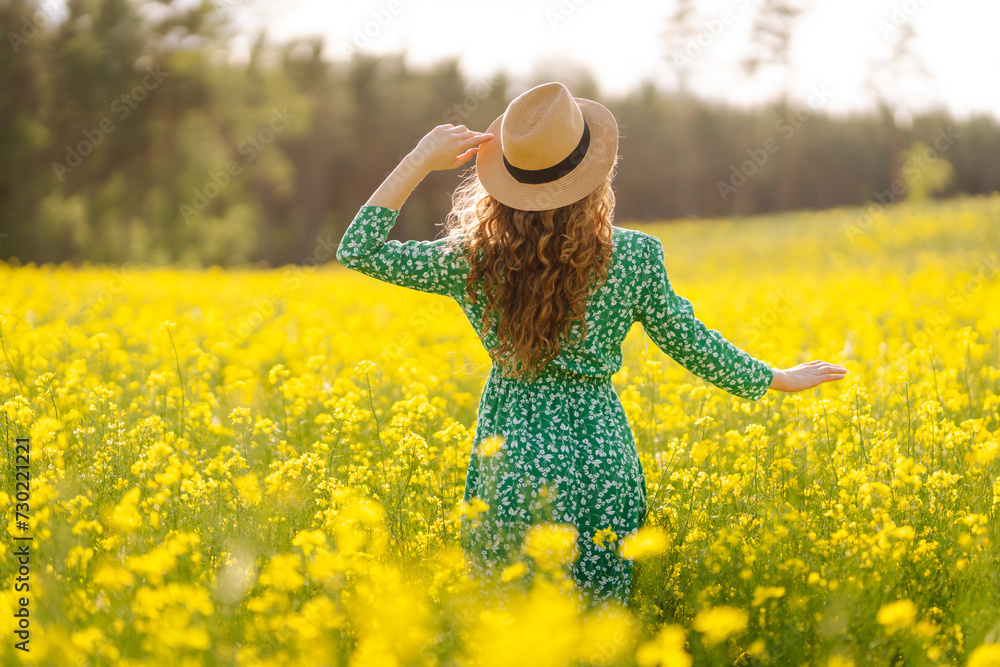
(568, 454)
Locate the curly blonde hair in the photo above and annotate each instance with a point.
(537, 269)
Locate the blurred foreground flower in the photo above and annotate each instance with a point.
(551, 545)
(666, 649)
(897, 615)
(987, 655)
(647, 541)
(491, 445)
(762, 594)
(718, 623)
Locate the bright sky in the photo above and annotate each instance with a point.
(836, 47)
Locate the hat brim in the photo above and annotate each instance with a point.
(577, 184)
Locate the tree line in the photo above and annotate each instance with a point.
(128, 133)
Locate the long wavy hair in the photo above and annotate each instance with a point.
(538, 269)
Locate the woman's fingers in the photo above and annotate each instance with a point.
(448, 146)
(469, 146)
(811, 374)
(476, 138)
(466, 156)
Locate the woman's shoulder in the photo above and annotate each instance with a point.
(633, 241)
(629, 233)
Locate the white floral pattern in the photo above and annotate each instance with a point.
(569, 454)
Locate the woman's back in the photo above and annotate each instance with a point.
(636, 289)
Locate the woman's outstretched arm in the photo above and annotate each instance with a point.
(670, 321)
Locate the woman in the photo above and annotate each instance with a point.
(552, 288)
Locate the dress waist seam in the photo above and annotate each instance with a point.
(552, 373)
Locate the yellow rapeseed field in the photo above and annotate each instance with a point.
(265, 467)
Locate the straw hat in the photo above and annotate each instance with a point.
(549, 149)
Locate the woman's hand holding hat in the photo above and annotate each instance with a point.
(447, 147)
(444, 147)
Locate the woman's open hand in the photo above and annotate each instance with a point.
(444, 147)
(447, 147)
(806, 376)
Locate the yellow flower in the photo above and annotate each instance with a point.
(248, 489)
(240, 416)
(897, 615)
(647, 541)
(926, 629)
(603, 535)
(717, 623)
(18, 410)
(491, 445)
(513, 571)
(761, 594)
(985, 452)
(79, 556)
(551, 545)
(282, 573)
(986, 655)
(278, 374)
(667, 649)
(168, 614)
(308, 540)
(126, 516)
(113, 575)
(364, 368)
(472, 509)
(153, 565)
(605, 636)
(840, 661)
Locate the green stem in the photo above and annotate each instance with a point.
(53, 399)
(371, 404)
(3, 344)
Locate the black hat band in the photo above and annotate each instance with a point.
(556, 171)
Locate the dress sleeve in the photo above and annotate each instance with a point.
(428, 266)
(669, 320)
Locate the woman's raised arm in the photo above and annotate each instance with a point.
(444, 147)
(428, 266)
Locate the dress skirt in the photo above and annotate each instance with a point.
(568, 456)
